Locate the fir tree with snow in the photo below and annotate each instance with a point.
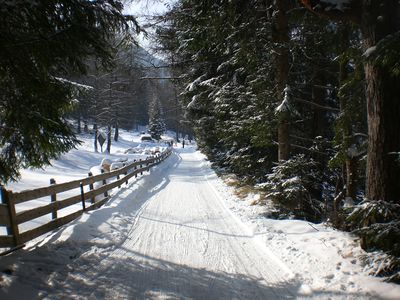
(156, 121)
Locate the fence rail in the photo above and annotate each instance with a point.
(11, 219)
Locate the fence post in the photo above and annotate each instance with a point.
(134, 169)
(82, 197)
(104, 183)
(6, 197)
(93, 199)
(119, 186)
(53, 198)
(126, 173)
(141, 172)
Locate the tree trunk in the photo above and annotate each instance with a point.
(379, 19)
(281, 37)
(351, 163)
(78, 125)
(283, 140)
(318, 96)
(95, 137)
(85, 127)
(176, 114)
(108, 139)
(351, 177)
(116, 133)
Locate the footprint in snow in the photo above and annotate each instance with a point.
(329, 277)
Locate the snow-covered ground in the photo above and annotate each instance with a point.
(75, 165)
(180, 233)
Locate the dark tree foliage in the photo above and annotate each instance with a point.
(226, 91)
(41, 42)
(230, 91)
(379, 25)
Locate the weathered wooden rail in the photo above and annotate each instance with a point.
(11, 218)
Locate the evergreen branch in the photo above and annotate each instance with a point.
(161, 78)
(316, 105)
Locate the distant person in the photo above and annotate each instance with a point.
(183, 143)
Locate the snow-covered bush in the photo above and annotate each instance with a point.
(379, 263)
(378, 225)
(293, 186)
(371, 211)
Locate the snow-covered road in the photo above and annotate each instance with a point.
(181, 232)
(184, 243)
(168, 236)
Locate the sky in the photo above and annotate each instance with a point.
(146, 7)
(142, 9)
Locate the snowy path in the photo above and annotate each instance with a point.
(190, 246)
(183, 243)
(178, 241)
(169, 235)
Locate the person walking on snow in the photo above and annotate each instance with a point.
(183, 143)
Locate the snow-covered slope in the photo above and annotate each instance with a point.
(75, 165)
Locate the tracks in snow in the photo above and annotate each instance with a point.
(180, 242)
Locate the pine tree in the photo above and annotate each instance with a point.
(156, 122)
(226, 88)
(41, 42)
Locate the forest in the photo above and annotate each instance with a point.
(68, 67)
(300, 100)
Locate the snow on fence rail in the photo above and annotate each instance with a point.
(11, 219)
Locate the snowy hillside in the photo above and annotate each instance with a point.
(77, 163)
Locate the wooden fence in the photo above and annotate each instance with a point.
(11, 219)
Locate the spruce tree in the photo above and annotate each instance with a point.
(42, 43)
(156, 122)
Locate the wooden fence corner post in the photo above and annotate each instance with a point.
(93, 199)
(53, 198)
(13, 230)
